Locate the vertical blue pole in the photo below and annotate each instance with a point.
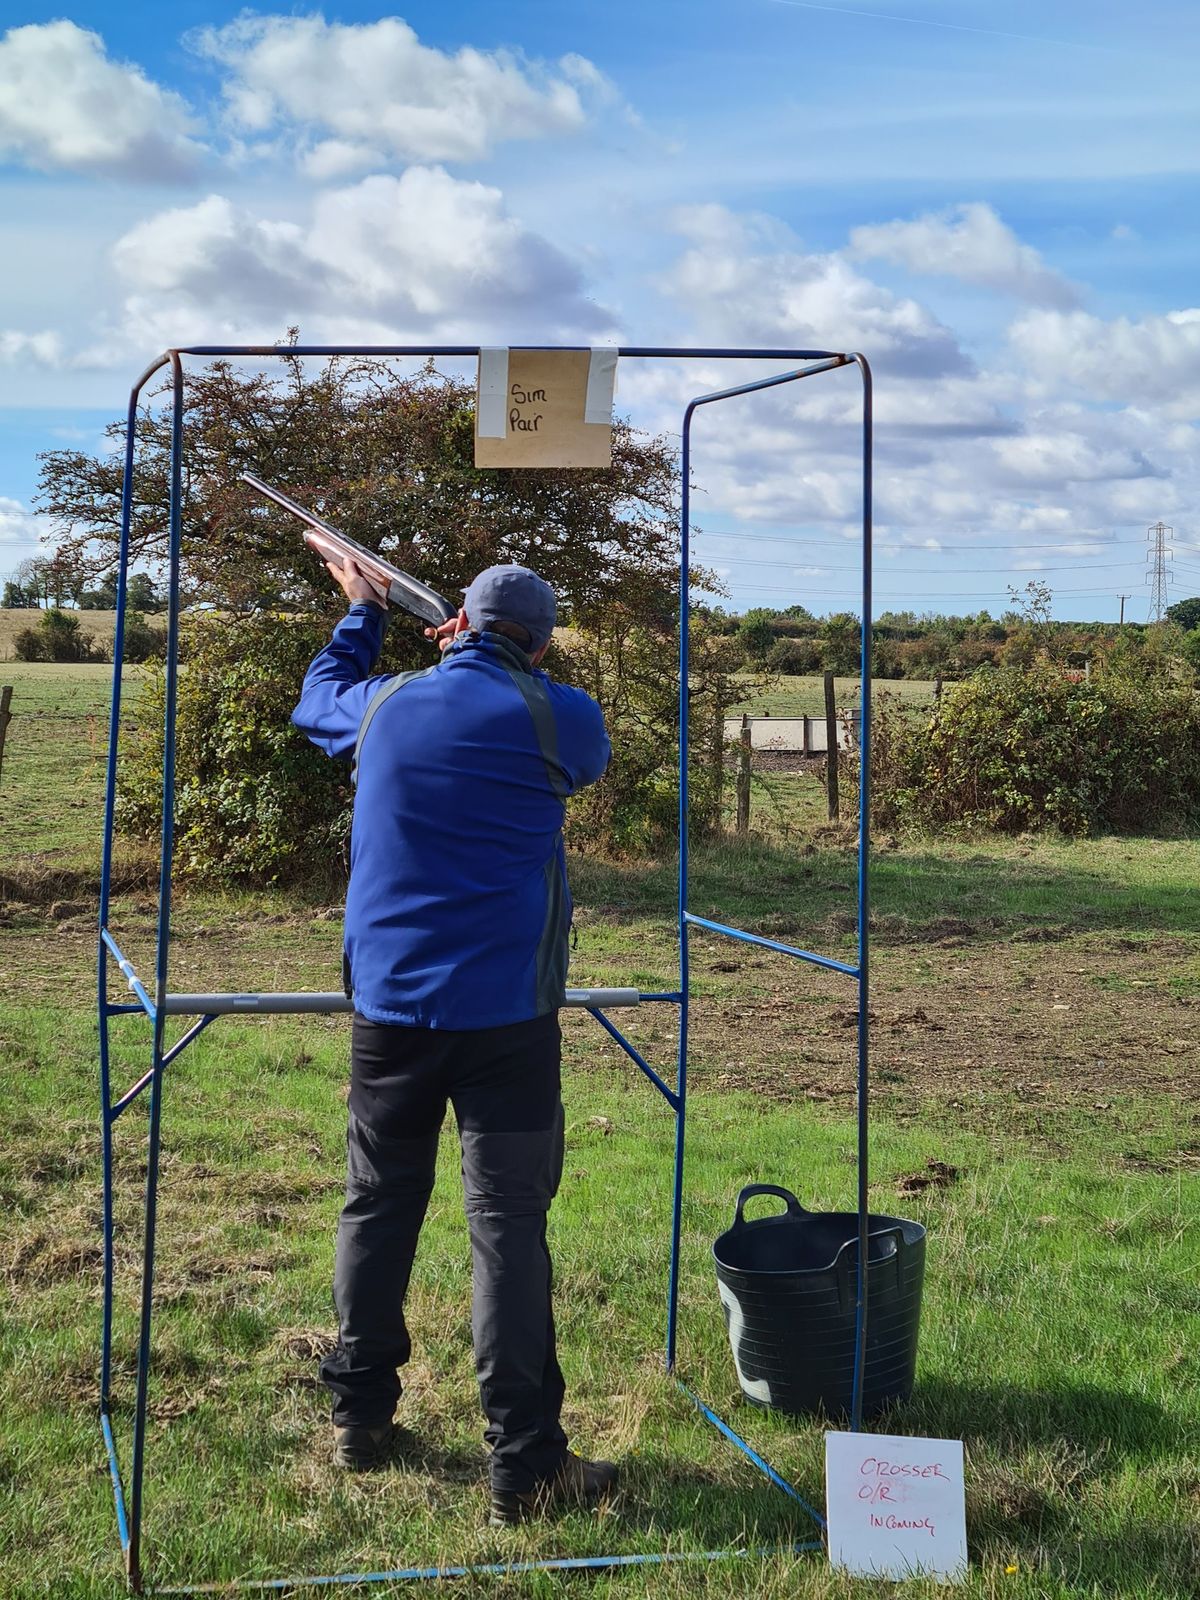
(164, 940)
(681, 1069)
(110, 801)
(864, 911)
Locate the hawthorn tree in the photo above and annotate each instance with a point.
(387, 455)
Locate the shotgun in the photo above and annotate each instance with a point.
(333, 546)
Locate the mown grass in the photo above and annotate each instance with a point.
(52, 774)
(1061, 1296)
(1057, 1340)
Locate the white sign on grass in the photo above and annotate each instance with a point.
(895, 1506)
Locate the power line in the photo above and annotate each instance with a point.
(942, 594)
(828, 540)
(961, 572)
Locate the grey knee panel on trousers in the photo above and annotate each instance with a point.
(377, 1163)
(512, 1174)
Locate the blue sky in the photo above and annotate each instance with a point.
(996, 202)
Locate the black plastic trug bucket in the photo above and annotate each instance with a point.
(788, 1286)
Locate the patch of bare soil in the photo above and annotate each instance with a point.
(936, 1175)
(959, 1010)
(1094, 1019)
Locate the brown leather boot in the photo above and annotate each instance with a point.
(576, 1483)
(363, 1449)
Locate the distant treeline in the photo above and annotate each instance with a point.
(908, 645)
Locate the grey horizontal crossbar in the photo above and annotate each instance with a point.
(262, 1005)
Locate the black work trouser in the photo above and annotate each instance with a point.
(504, 1085)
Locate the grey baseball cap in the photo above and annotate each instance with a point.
(512, 594)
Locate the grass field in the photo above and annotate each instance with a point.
(1036, 1011)
(97, 625)
(797, 697)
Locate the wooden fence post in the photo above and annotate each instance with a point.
(5, 717)
(831, 749)
(743, 778)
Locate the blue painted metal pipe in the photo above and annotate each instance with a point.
(668, 1094)
(772, 944)
(470, 351)
(773, 382)
(102, 947)
(864, 910)
(685, 470)
(492, 1569)
(114, 1469)
(177, 1048)
(752, 1455)
(126, 966)
(133, 1555)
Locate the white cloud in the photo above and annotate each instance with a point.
(374, 87)
(339, 158)
(213, 253)
(1056, 457)
(65, 105)
(747, 281)
(1155, 361)
(43, 349)
(424, 255)
(19, 531)
(792, 455)
(968, 242)
(961, 453)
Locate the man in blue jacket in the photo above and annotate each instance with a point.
(457, 921)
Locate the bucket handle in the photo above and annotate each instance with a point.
(794, 1208)
(842, 1265)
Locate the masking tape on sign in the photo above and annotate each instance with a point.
(491, 412)
(602, 381)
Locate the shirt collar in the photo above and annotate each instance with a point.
(492, 644)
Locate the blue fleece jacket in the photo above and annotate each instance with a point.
(458, 911)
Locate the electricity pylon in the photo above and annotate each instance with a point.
(1159, 574)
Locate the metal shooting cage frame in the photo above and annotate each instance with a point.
(204, 1009)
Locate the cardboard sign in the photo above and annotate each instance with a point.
(896, 1506)
(544, 408)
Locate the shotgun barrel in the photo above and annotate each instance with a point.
(332, 545)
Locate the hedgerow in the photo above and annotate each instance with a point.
(254, 800)
(1014, 748)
